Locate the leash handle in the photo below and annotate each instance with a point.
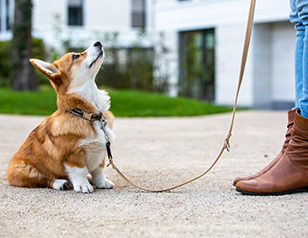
(226, 145)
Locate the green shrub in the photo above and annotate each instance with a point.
(134, 67)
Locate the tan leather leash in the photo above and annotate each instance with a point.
(226, 145)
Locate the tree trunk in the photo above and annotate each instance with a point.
(23, 74)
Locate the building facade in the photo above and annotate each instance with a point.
(204, 38)
(269, 77)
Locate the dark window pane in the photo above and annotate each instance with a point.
(197, 64)
(138, 13)
(75, 13)
(138, 20)
(0, 15)
(7, 17)
(75, 16)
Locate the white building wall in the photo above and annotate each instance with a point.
(151, 14)
(228, 18)
(283, 46)
(273, 79)
(106, 15)
(44, 12)
(44, 20)
(262, 65)
(190, 15)
(229, 46)
(99, 15)
(172, 42)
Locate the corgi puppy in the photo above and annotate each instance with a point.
(70, 143)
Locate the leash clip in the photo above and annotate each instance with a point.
(227, 143)
(109, 154)
(103, 127)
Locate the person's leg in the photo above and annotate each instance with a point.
(290, 173)
(294, 18)
(298, 54)
(302, 7)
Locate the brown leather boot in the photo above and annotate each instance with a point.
(290, 173)
(291, 115)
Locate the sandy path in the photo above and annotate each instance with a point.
(160, 152)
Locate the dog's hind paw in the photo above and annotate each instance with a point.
(61, 184)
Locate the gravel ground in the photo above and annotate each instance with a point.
(158, 153)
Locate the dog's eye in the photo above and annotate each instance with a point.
(76, 57)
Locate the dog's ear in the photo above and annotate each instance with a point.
(50, 71)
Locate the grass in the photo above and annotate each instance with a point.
(42, 102)
(124, 103)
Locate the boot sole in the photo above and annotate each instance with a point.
(298, 190)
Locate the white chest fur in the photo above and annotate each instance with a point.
(95, 147)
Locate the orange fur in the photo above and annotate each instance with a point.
(56, 143)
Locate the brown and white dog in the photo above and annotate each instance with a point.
(66, 147)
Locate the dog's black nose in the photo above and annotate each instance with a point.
(97, 43)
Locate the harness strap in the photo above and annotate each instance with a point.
(87, 115)
(226, 144)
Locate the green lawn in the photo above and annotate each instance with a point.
(124, 103)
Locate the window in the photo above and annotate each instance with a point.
(75, 12)
(0, 15)
(138, 13)
(7, 16)
(197, 64)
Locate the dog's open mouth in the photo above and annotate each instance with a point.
(100, 55)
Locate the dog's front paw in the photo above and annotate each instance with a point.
(78, 177)
(83, 187)
(61, 184)
(100, 180)
(104, 184)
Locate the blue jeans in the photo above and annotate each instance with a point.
(299, 15)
